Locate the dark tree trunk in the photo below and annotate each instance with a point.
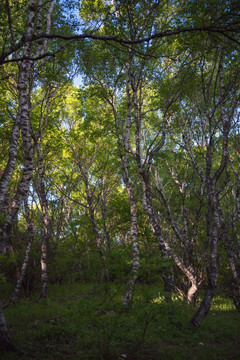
(212, 268)
(5, 342)
(203, 308)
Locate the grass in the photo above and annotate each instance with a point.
(84, 322)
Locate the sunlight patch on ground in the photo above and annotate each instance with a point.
(158, 300)
(218, 304)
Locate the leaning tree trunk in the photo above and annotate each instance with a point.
(186, 269)
(211, 180)
(166, 250)
(134, 101)
(211, 268)
(8, 211)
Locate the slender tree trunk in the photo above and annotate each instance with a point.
(148, 206)
(212, 268)
(9, 212)
(127, 297)
(91, 211)
(44, 267)
(95, 231)
(87, 251)
(124, 149)
(211, 181)
(186, 269)
(23, 111)
(105, 217)
(18, 285)
(7, 174)
(40, 187)
(123, 129)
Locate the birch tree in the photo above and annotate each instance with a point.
(215, 120)
(25, 84)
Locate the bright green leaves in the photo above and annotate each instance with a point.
(94, 11)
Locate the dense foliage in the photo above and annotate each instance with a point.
(133, 176)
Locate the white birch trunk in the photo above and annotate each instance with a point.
(127, 297)
(213, 194)
(40, 187)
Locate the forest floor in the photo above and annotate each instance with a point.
(83, 321)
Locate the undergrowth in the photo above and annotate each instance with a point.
(87, 322)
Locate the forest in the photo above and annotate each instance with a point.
(120, 179)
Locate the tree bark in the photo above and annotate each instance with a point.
(211, 179)
(8, 212)
(186, 269)
(18, 285)
(9, 209)
(127, 297)
(40, 187)
(204, 307)
(124, 149)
